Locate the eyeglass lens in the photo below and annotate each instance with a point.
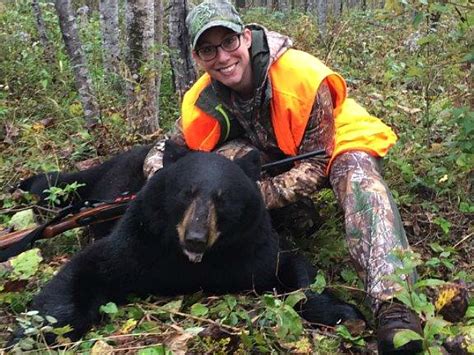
(229, 44)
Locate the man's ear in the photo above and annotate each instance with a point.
(173, 152)
(250, 164)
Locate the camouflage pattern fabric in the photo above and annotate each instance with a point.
(209, 14)
(373, 225)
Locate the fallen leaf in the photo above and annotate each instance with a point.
(102, 348)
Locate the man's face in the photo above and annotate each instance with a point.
(232, 69)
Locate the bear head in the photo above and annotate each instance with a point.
(205, 201)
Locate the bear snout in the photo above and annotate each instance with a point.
(197, 231)
(195, 245)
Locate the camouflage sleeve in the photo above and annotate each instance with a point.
(307, 175)
(154, 159)
(373, 225)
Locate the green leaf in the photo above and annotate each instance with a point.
(429, 283)
(465, 207)
(230, 301)
(290, 324)
(404, 336)
(26, 264)
(199, 310)
(109, 308)
(294, 298)
(443, 223)
(155, 350)
(319, 283)
(22, 220)
(51, 320)
(419, 16)
(426, 39)
(194, 330)
(435, 350)
(173, 306)
(434, 326)
(270, 301)
(470, 312)
(343, 332)
(62, 330)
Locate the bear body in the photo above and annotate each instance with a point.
(120, 174)
(198, 224)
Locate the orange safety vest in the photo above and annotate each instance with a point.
(295, 79)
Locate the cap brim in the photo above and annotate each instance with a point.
(218, 23)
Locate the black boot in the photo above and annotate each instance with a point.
(391, 318)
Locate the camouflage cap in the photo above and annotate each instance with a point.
(212, 13)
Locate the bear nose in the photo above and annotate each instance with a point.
(196, 241)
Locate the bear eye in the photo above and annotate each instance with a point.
(219, 196)
(189, 193)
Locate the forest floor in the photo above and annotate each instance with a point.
(417, 78)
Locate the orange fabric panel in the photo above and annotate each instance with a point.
(294, 91)
(201, 130)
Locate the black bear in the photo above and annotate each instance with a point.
(198, 224)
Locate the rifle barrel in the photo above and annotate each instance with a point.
(295, 158)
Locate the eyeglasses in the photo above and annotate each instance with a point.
(229, 44)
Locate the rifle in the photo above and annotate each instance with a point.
(89, 213)
(84, 214)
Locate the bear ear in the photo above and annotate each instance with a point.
(250, 164)
(173, 152)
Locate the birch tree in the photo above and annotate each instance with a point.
(109, 24)
(140, 59)
(158, 52)
(43, 37)
(67, 23)
(310, 6)
(322, 14)
(182, 65)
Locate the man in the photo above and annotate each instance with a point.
(259, 93)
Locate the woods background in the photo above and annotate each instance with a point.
(81, 80)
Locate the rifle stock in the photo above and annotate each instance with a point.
(13, 237)
(103, 213)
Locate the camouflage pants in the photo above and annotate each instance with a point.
(373, 225)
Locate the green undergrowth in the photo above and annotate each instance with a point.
(419, 80)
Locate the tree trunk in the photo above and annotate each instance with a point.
(310, 6)
(283, 6)
(159, 53)
(322, 14)
(181, 60)
(240, 4)
(69, 31)
(48, 48)
(337, 8)
(140, 37)
(109, 25)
